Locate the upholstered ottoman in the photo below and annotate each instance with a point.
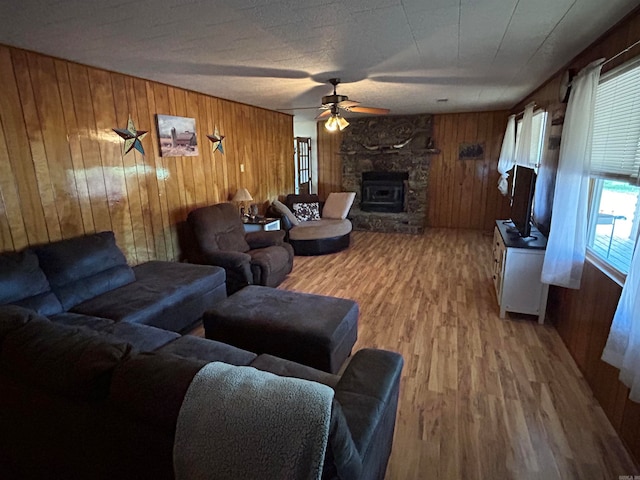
(314, 330)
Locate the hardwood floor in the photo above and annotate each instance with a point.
(481, 397)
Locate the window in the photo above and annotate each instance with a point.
(613, 224)
(538, 124)
(615, 166)
(303, 161)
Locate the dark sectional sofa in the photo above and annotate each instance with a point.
(91, 401)
(93, 372)
(89, 276)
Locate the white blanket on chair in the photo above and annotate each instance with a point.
(242, 423)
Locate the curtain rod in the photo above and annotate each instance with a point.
(621, 53)
(519, 114)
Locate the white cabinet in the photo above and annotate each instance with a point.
(517, 265)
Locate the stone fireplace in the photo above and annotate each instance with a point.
(385, 160)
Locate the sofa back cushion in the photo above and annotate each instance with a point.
(84, 267)
(285, 211)
(73, 362)
(338, 204)
(151, 387)
(23, 283)
(218, 227)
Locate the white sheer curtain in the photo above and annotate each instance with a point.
(623, 345)
(523, 143)
(507, 155)
(567, 242)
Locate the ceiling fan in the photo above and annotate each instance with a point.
(334, 103)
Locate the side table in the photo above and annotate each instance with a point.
(257, 224)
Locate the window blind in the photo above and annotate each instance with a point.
(615, 151)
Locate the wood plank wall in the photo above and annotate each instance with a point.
(329, 161)
(464, 193)
(461, 194)
(583, 317)
(62, 172)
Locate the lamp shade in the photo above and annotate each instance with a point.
(331, 124)
(242, 195)
(335, 122)
(342, 123)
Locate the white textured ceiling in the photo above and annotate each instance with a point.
(278, 54)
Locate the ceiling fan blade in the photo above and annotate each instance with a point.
(370, 110)
(348, 104)
(295, 108)
(324, 114)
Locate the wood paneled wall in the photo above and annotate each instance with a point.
(62, 171)
(329, 161)
(461, 193)
(464, 193)
(583, 317)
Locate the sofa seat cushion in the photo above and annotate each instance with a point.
(270, 265)
(143, 338)
(165, 295)
(72, 362)
(199, 348)
(13, 317)
(78, 320)
(84, 267)
(23, 283)
(323, 228)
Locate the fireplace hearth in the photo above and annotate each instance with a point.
(383, 191)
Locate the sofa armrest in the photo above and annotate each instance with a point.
(264, 239)
(368, 394)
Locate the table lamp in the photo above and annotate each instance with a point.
(242, 195)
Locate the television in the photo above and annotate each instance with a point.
(522, 200)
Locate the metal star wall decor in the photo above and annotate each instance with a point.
(131, 137)
(216, 139)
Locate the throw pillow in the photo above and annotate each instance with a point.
(338, 205)
(306, 211)
(284, 210)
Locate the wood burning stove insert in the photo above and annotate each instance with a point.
(383, 191)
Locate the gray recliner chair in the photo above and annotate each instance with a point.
(255, 258)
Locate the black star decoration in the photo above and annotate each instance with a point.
(216, 138)
(131, 137)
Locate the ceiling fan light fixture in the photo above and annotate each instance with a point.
(336, 122)
(342, 123)
(331, 124)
